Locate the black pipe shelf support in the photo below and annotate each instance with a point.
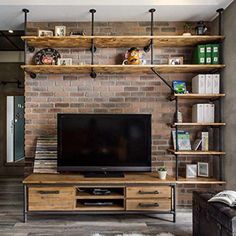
(93, 49)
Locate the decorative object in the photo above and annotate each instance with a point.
(187, 29)
(196, 144)
(191, 170)
(47, 56)
(179, 117)
(45, 33)
(203, 169)
(183, 140)
(64, 61)
(134, 56)
(60, 30)
(227, 197)
(162, 172)
(179, 86)
(176, 60)
(201, 28)
(77, 33)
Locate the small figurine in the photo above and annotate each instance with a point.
(134, 56)
(201, 28)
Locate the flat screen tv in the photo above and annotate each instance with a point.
(104, 142)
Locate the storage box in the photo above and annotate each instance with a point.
(197, 113)
(200, 54)
(205, 141)
(212, 219)
(209, 83)
(208, 53)
(209, 112)
(215, 54)
(199, 84)
(216, 83)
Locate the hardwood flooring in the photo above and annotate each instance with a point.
(11, 203)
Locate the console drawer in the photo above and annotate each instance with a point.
(148, 192)
(51, 198)
(148, 205)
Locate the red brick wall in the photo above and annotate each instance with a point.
(108, 93)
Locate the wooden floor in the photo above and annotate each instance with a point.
(11, 198)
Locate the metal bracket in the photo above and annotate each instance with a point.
(93, 74)
(31, 48)
(93, 48)
(32, 75)
(150, 46)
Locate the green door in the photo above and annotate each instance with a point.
(19, 103)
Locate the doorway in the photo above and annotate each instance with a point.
(15, 128)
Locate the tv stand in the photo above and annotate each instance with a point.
(135, 193)
(105, 174)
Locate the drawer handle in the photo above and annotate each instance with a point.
(49, 192)
(144, 192)
(148, 204)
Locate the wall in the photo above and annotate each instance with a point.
(108, 93)
(229, 84)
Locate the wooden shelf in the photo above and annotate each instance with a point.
(199, 180)
(198, 96)
(196, 152)
(198, 124)
(119, 41)
(115, 207)
(125, 69)
(90, 196)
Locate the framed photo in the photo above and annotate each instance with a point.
(179, 86)
(64, 61)
(191, 170)
(176, 61)
(203, 169)
(45, 33)
(60, 30)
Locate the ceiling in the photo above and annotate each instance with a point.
(11, 16)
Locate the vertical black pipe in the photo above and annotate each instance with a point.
(176, 138)
(220, 143)
(26, 11)
(151, 43)
(92, 11)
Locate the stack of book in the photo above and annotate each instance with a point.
(207, 54)
(206, 83)
(203, 113)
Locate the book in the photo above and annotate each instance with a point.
(197, 113)
(199, 84)
(205, 141)
(208, 54)
(209, 113)
(196, 144)
(183, 140)
(227, 197)
(215, 53)
(179, 86)
(216, 83)
(209, 83)
(200, 54)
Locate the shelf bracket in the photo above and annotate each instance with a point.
(31, 48)
(32, 75)
(93, 49)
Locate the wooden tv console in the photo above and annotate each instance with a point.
(74, 194)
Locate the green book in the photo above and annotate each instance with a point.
(215, 54)
(208, 59)
(200, 54)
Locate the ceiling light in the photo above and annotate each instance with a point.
(10, 31)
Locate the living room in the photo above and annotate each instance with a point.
(117, 118)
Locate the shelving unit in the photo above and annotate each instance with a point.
(197, 152)
(197, 96)
(198, 124)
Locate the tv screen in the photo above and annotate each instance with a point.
(104, 142)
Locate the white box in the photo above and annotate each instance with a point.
(209, 113)
(216, 83)
(197, 113)
(199, 84)
(205, 141)
(209, 83)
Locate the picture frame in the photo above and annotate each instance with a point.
(45, 33)
(179, 86)
(203, 169)
(191, 170)
(64, 61)
(176, 61)
(60, 30)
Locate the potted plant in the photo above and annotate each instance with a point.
(162, 171)
(187, 29)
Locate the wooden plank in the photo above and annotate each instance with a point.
(199, 180)
(196, 152)
(198, 96)
(148, 192)
(121, 69)
(147, 204)
(198, 124)
(115, 207)
(119, 41)
(140, 178)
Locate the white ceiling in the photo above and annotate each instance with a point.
(11, 16)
